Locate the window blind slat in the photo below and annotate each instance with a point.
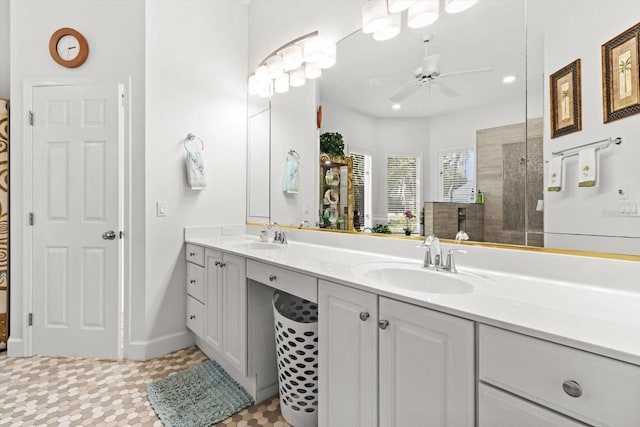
(402, 192)
(457, 171)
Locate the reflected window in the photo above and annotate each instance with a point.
(403, 192)
(457, 176)
(361, 190)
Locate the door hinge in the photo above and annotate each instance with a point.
(121, 233)
(31, 218)
(30, 319)
(30, 118)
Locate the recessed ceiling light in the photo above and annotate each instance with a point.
(509, 79)
(396, 106)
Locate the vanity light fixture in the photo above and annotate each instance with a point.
(382, 17)
(508, 79)
(292, 64)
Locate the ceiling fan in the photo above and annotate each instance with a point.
(429, 74)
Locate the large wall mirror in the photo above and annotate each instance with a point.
(468, 131)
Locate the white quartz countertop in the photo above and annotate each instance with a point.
(601, 320)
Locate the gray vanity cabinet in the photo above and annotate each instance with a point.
(409, 364)
(226, 318)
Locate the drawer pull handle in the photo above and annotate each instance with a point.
(192, 254)
(364, 316)
(192, 281)
(272, 278)
(382, 324)
(193, 316)
(572, 388)
(222, 264)
(216, 263)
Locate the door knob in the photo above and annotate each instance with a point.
(382, 324)
(364, 316)
(109, 235)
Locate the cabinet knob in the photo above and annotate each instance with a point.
(217, 263)
(272, 278)
(192, 254)
(193, 316)
(572, 388)
(364, 316)
(192, 281)
(382, 324)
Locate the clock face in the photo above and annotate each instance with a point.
(68, 47)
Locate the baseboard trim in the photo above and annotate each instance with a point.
(145, 350)
(15, 348)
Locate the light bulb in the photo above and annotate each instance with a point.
(423, 13)
(455, 6)
(274, 67)
(281, 84)
(329, 59)
(389, 31)
(374, 16)
(314, 49)
(297, 78)
(291, 57)
(312, 70)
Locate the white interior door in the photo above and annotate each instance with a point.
(76, 199)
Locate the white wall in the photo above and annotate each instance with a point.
(4, 49)
(590, 210)
(195, 82)
(113, 54)
(186, 61)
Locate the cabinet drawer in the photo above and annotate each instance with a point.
(195, 316)
(608, 391)
(195, 281)
(285, 280)
(195, 254)
(500, 409)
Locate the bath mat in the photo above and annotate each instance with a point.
(199, 396)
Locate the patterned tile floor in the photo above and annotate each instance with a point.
(64, 391)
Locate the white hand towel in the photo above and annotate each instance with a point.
(555, 174)
(195, 170)
(587, 168)
(290, 178)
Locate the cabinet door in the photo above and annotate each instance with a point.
(348, 379)
(234, 308)
(426, 367)
(213, 329)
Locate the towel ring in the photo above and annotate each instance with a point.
(190, 137)
(294, 154)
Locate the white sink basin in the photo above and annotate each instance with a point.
(259, 246)
(413, 277)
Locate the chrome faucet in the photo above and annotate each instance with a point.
(436, 261)
(279, 236)
(303, 223)
(461, 235)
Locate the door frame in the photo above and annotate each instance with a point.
(124, 185)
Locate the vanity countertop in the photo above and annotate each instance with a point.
(597, 319)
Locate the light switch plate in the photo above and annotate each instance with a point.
(162, 208)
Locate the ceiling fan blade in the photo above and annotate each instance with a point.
(404, 93)
(430, 64)
(478, 70)
(446, 89)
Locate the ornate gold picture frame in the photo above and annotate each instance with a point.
(566, 103)
(620, 75)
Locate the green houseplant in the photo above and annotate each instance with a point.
(332, 144)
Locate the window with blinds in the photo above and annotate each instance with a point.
(457, 176)
(403, 192)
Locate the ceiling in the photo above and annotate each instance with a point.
(489, 35)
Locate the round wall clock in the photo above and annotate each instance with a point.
(68, 48)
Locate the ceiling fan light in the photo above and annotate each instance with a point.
(291, 57)
(395, 6)
(274, 67)
(281, 84)
(374, 16)
(423, 13)
(389, 31)
(329, 59)
(297, 78)
(312, 70)
(455, 6)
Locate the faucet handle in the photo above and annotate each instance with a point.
(450, 264)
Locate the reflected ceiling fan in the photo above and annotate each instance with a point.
(429, 74)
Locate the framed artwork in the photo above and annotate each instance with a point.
(566, 108)
(620, 76)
